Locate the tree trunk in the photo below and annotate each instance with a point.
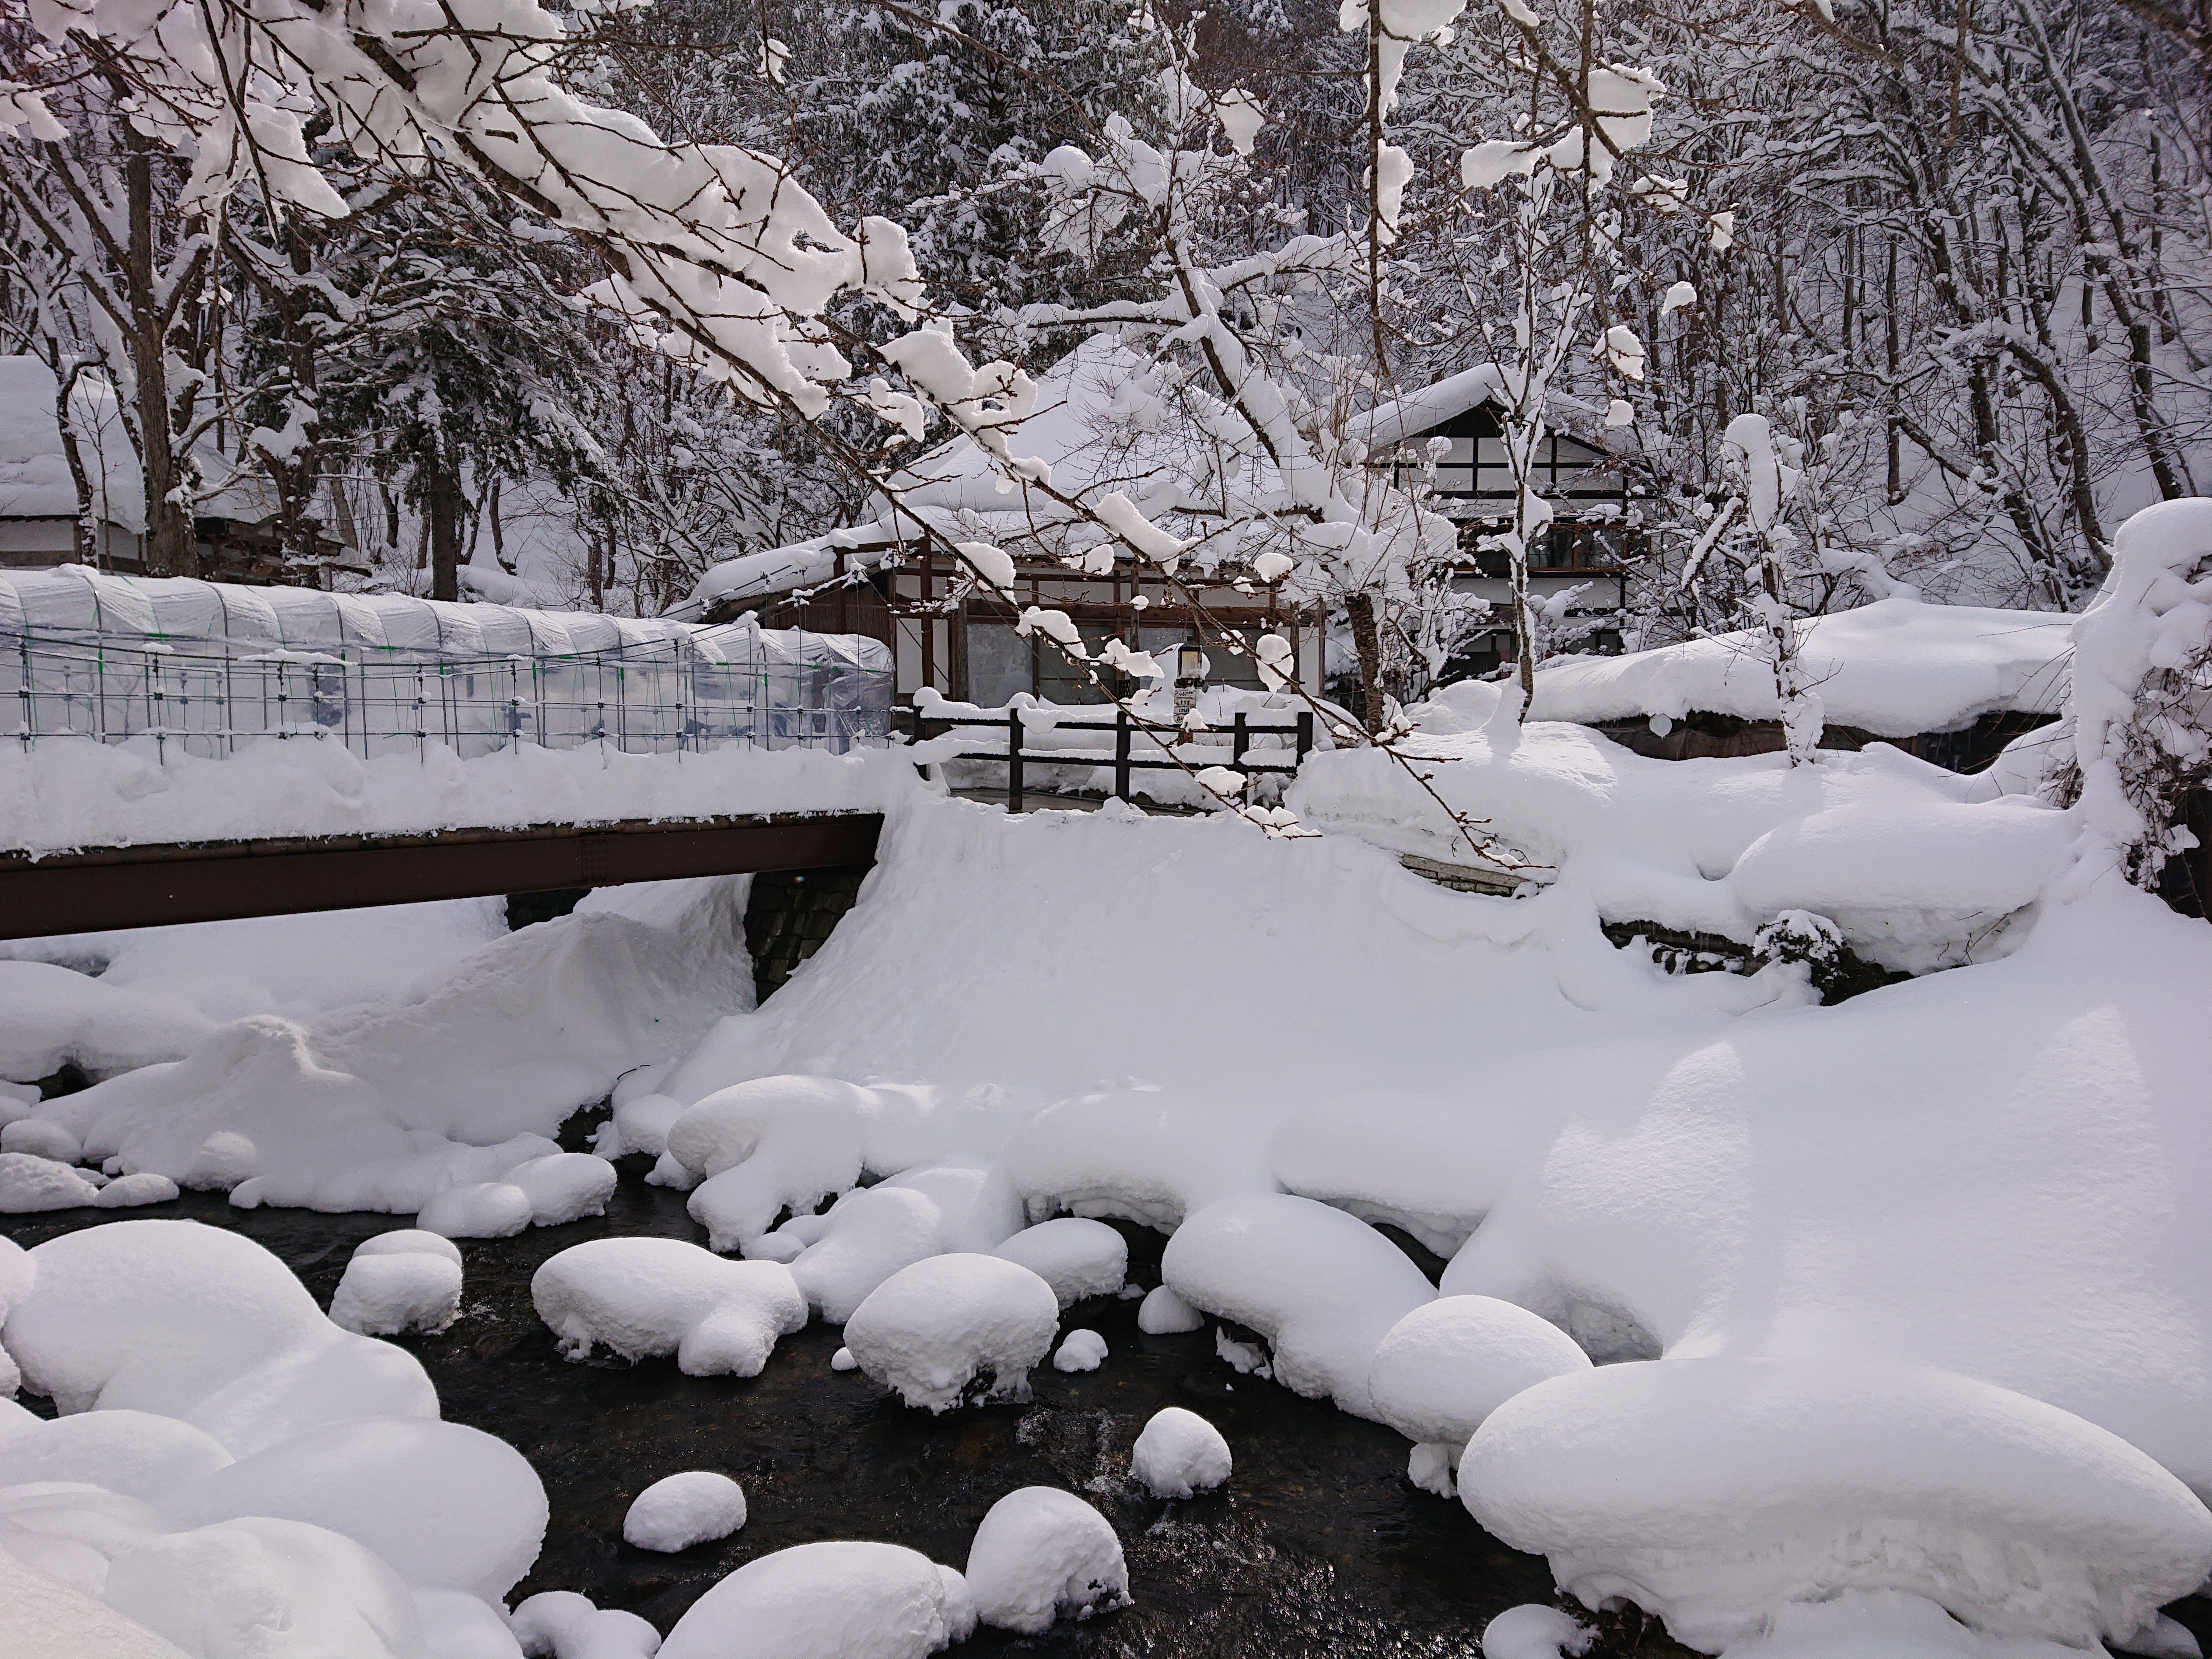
(171, 550)
(442, 500)
(1367, 645)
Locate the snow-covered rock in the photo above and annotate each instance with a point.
(1178, 1454)
(563, 1625)
(834, 1601)
(481, 1209)
(564, 1187)
(49, 1618)
(257, 1586)
(643, 1298)
(1076, 1256)
(128, 1191)
(1079, 1351)
(1323, 1287)
(137, 1453)
(1163, 1313)
(640, 1124)
(767, 1146)
(1451, 1362)
(399, 1282)
(1535, 1630)
(201, 1324)
(1636, 1480)
(41, 1138)
(957, 1202)
(955, 1330)
(447, 1506)
(461, 1627)
(29, 1184)
(57, 1016)
(678, 1511)
(74, 1532)
(1042, 1554)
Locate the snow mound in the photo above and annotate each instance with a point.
(564, 1187)
(73, 1531)
(128, 1192)
(53, 1017)
(52, 1619)
(835, 1601)
(449, 1507)
(644, 1298)
(41, 1138)
(481, 1209)
(1080, 1351)
(1448, 1364)
(563, 1625)
(1042, 1554)
(1534, 1630)
(1323, 1287)
(257, 1587)
(135, 1453)
(679, 1510)
(957, 1202)
(458, 1626)
(955, 1330)
(197, 1323)
(767, 1145)
(1148, 1154)
(1163, 1313)
(1179, 1454)
(2015, 1516)
(406, 1280)
(640, 1124)
(29, 1184)
(1077, 1257)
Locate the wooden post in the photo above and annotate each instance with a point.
(1121, 753)
(1305, 734)
(1242, 741)
(1013, 760)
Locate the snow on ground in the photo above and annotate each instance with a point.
(1918, 1277)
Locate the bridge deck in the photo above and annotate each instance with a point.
(96, 889)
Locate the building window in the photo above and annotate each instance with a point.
(997, 664)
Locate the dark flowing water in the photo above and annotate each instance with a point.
(1318, 1546)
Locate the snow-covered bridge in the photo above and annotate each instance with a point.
(190, 750)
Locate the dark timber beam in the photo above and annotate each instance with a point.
(153, 886)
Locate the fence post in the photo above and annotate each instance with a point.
(1013, 760)
(1305, 736)
(1241, 742)
(1121, 753)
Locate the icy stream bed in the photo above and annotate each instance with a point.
(1318, 1545)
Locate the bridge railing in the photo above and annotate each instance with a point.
(769, 688)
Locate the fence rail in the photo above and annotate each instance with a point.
(1241, 730)
(666, 697)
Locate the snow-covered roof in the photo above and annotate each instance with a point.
(1896, 668)
(34, 474)
(1395, 418)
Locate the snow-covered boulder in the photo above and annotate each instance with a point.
(1163, 1313)
(767, 1146)
(409, 1279)
(1179, 1454)
(1077, 1257)
(1536, 1630)
(678, 1511)
(640, 1124)
(1449, 1364)
(834, 1601)
(259, 1586)
(137, 1453)
(955, 1330)
(128, 1191)
(957, 1202)
(564, 1187)
(41, 1138)
(643, 1298)
(202, 1324)
(563, 1625)
(461, 1627)
(1079, 1351)
(57, 1016)
(73, 1532)
(1323, 1287)
(479, 1209)
(447, 1506)
(30, 1183)
(1713, 1491)
(48, 1619)
(1042, 1554)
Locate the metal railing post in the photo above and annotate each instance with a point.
(1121, 753)
(1305, 735)
(1013, 760)
(1241, 741)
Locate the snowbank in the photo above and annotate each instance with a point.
(1896, 668)
(2017, 1517)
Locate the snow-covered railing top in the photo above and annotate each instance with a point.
(204, 667)
(1896, 668)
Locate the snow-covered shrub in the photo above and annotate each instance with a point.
(643, 1298)
(1178, 1453)
(398, 1282)
(1042, 1554)
(678, 1511)
(2141, 698)
(1077, 1257)
(2016, 1517)
(834, 1601)
(955, 1330)
(1323, 1287)
(1449, 1364)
